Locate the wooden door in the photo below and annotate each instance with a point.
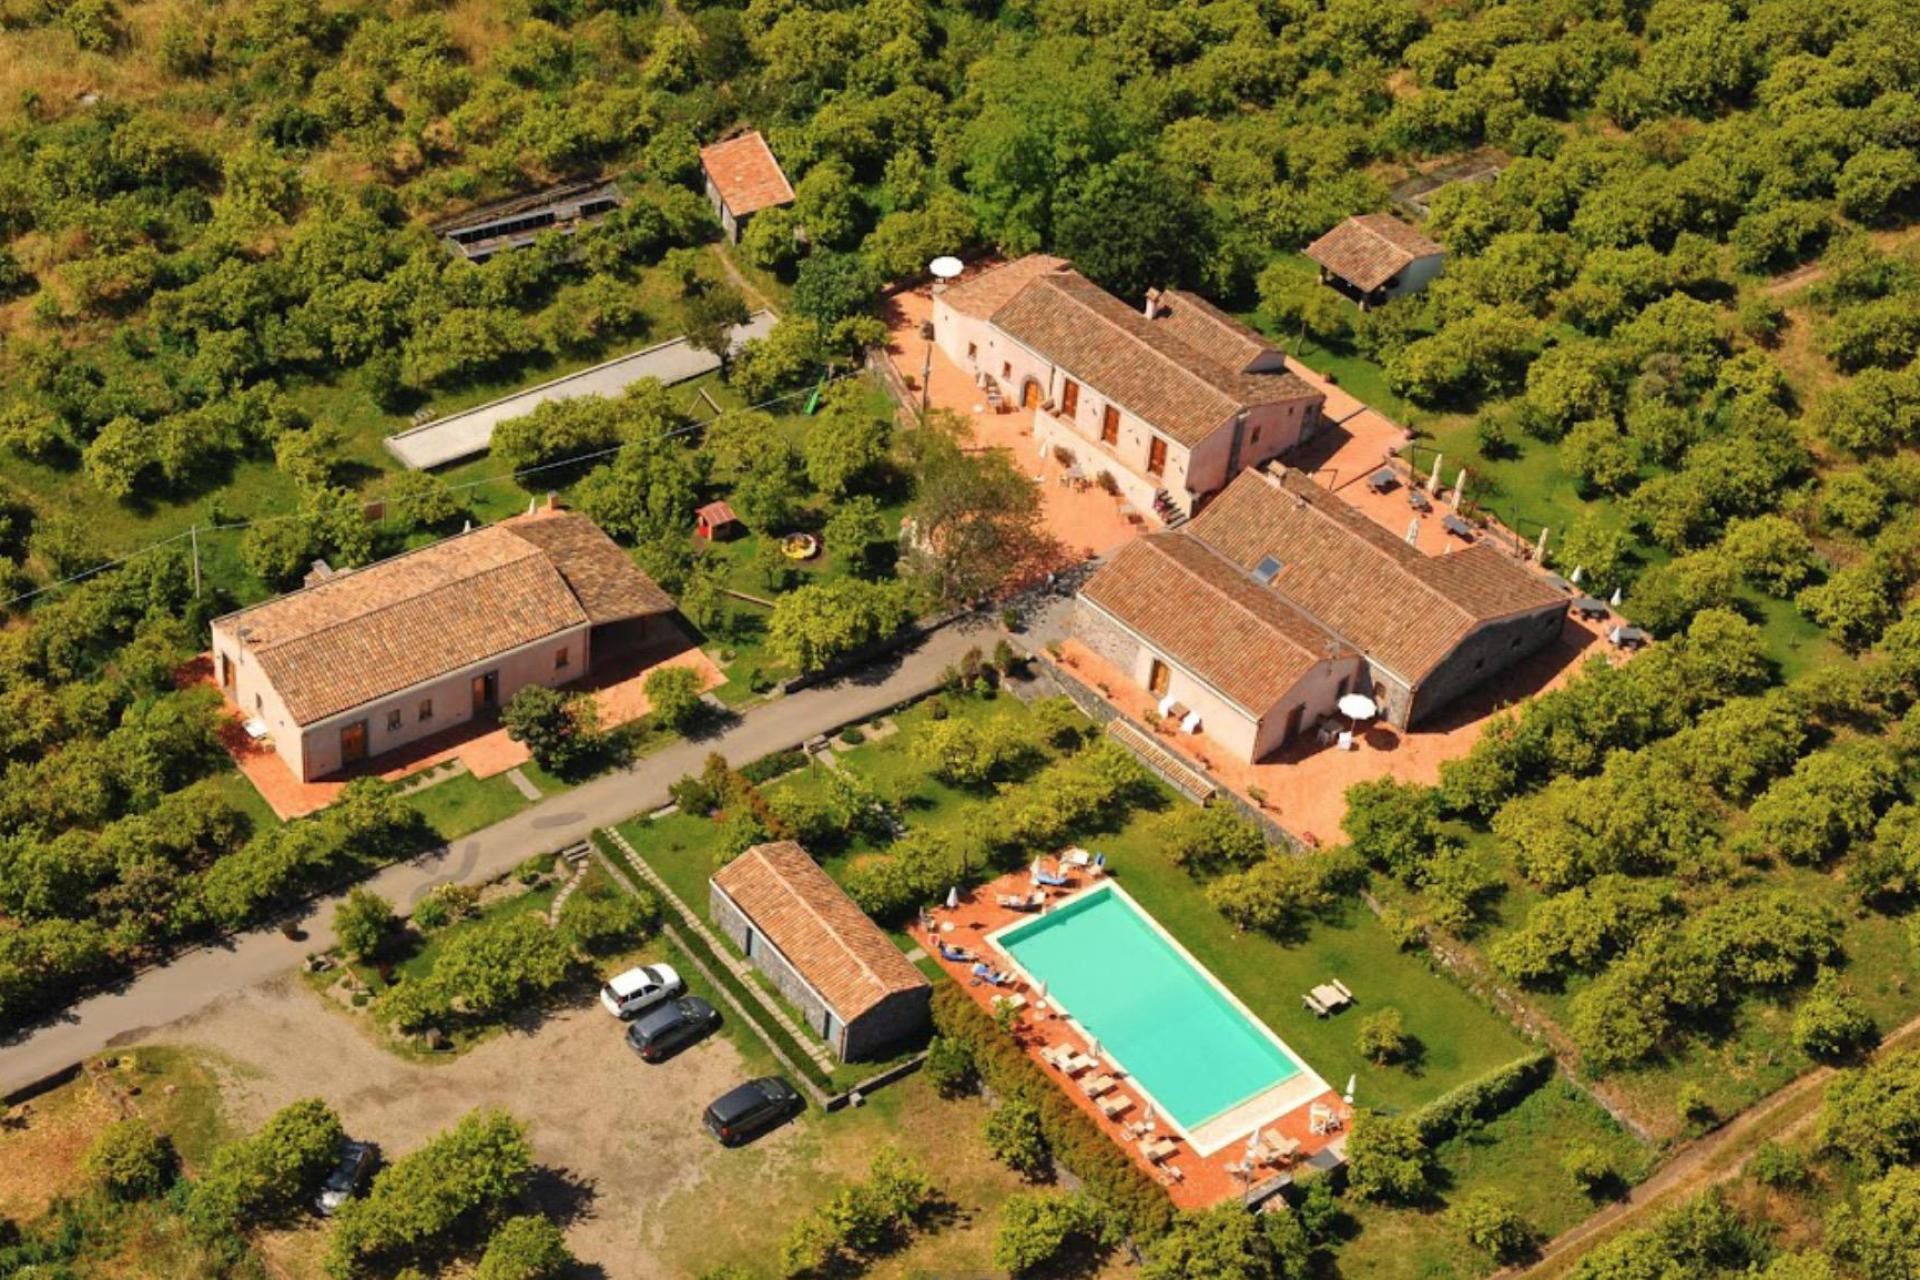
(486, 692)
(1030, 395)
(1110, 425)
(353, 743)
(1069, 398)
(1157, 457)
(1158, 677)
(1293, 724)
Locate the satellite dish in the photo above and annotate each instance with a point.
(946, 267)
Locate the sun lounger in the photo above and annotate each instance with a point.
(1076, 858)
(1025, 902)
(999, 978)
(1052, 879)
(1159, 1149)
(955, 954)
(1076, 1062)
(1094, 1086)
(1115, 1104)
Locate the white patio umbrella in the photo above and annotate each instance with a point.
(1459, 488)
(1351, 1081)
(1146, 1115)
(1579, 572)
(1433, 481)
(1540, 550)
(953, 896)
(1356, 707)
(1093, 1046)
(1615, 599)
(1413, 531)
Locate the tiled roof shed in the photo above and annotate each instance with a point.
(1371, 249)
(362, 635)
(829, 941)
(745, 174)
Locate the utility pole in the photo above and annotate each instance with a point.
(193, 535)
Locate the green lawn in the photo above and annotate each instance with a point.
(463, 805)
(1517, 1156)
(419, 965)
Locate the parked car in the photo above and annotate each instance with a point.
(641, 988)
(665, 1029)
(349, 1175)
(740, 1114)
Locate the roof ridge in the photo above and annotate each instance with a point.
(1140, 339)
(1238, 572)
(806, 903)
(1375, 547)
(532, 553)
(360, 569)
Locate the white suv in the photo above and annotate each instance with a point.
(639, 989)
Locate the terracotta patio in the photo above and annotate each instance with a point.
(1305, 784)
(1085, 519)
(1192, 1180)
(482, 747)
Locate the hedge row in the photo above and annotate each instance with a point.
(1481, 1099)
(1078, 1144)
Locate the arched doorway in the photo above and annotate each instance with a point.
(1030, 394)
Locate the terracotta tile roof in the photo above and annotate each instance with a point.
(1140, 364)
(718, 512)
(601, 576)
(745, 174)
(1371, 249)
(372, 632)
(1204, 613)
(1404, 609)
(981, 295)
(1204, 327)
(829, 940)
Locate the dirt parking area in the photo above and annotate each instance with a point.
(615, 1137)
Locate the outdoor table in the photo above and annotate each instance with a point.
(1457, 527)
(1589, 607)
(1329, 995)
(1381, 480)
(1419, 501)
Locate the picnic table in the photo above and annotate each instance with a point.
(1627, 637)
(1590, 607)
(1459, 528)
(1333, 995)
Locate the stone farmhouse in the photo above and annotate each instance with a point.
(1171, 398)
(1281, 598)
(370, 660)
(823, 953)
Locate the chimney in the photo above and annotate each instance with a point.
(1152, 308)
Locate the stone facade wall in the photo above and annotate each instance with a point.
(1485, 654)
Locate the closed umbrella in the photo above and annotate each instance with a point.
(953, 897)
(1460, 489)
(1579, 572)
(1351, 1081)
(1615, 599)
(1093, 1046)
(1146, 1116)
(1433, 481)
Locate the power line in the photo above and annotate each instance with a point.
(465, 484)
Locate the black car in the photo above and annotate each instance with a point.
(350, 1171)
(663, 1030)
(740, 1114)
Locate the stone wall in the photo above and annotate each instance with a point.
(1485, 654)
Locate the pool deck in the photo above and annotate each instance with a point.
(1194, 1179)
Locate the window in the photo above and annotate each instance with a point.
(563, 658)
(1256, 435)
(1069, 397)
(1157, 457)
(1006, 369)
(1109, 425)
(393, 720)
(426, 710)
(258, 705)
(972, 351)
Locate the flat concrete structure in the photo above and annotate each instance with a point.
(463, 435)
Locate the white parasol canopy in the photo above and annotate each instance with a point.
(1146, 1115)
(946, 267)
(1358, 706)
(1615, 600)
(1093, 1046)
(1351, 1081)
(953, 897)
(1579, 572)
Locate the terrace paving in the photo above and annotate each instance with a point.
(1193, 1181)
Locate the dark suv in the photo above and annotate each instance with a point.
(665, 1029)
(740, 1114)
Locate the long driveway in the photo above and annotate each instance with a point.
(199, 977)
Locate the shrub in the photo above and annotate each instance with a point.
(767, 768)
(1015, 1139)
(362, 922)
(129, 1161)
(853, 736)
(1831, 1022)
(1780, 1167)
(1590, 1168)
(861, 1221)
(608, 921)
(1383, 1037)
(446, 904)
(1036, 1227)
(1386, 1159)
(673, 693)
(267, 1176)
(1480, 1099)
(1488, 1221)
(528, 1247)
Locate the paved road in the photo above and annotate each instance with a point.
(462, 435)
(199, 977)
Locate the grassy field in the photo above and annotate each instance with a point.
(1517, 1156)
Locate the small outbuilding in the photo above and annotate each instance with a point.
(853, 986)
(1375, 257)
(715, 522)
(743, 178)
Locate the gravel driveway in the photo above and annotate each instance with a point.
(616, 1136)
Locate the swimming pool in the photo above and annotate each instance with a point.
(1182, 1036)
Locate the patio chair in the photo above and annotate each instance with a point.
(1346, 740)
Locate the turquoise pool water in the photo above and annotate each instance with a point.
(1155, 1012)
